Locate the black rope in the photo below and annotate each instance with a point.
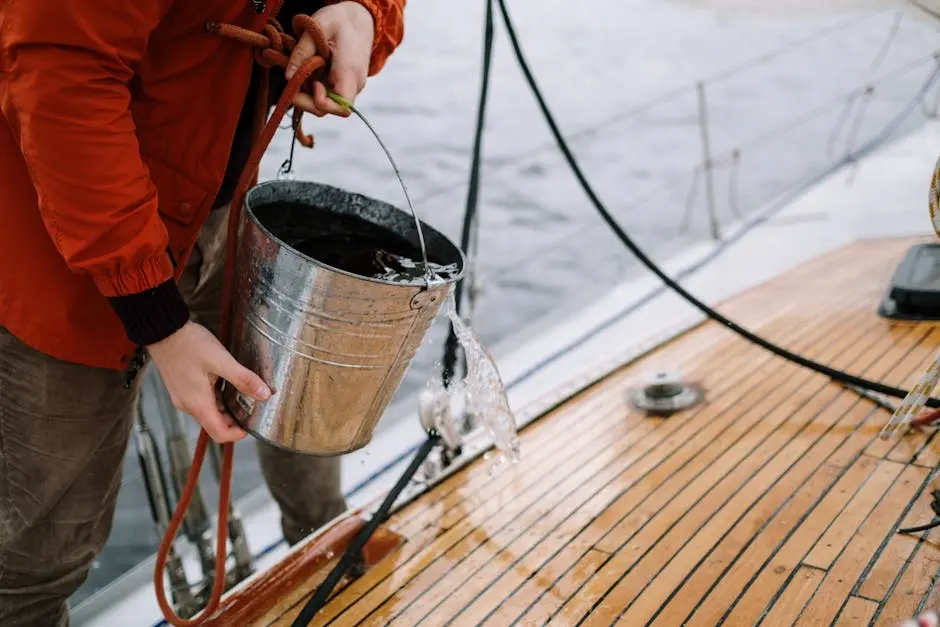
(927, 527)
(353, 552)
(935, 506)
(473, 191)
(832, 373)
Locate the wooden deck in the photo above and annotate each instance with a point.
(772, 503)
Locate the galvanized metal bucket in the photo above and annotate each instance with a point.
(333, 345)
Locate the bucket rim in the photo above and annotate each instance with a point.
(421, 285)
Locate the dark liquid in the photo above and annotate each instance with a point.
(349, 243)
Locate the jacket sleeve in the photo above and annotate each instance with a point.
(67, 67)
(389, 18)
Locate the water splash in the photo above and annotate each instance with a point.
(401, 269)
(485, 390)
(441, 405)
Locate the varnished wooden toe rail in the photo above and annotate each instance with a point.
(772, 503)
(297, 575)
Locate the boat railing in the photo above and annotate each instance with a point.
(712, 187)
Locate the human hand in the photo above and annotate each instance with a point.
(190, 362)
(349, 29)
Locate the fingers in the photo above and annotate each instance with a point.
(323, 102)
(304, 49)
(319, 103)
(305, 102)
(190, 362)
(244, 380)
(201, 404)
(347, 77)
(349, 29)
(220, 426)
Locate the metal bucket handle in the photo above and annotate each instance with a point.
(401, 181)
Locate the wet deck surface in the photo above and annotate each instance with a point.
(772, 503)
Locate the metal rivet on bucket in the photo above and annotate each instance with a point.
(423, 299)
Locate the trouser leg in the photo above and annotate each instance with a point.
(64, 429)
(307, 489)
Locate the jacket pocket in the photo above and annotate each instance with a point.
(179, 200)
(182, 206)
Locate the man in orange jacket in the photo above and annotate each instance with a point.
(124, 127)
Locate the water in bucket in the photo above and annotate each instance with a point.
(353, 244)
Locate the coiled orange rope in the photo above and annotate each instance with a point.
(273, 48)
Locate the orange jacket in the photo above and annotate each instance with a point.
(117, 123)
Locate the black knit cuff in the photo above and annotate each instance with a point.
(154, 315)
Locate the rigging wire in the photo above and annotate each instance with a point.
(892, 34)
(473, 192)
(855, 93)
(470, 238)
(840, 376)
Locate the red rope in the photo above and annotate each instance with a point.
(273, 49)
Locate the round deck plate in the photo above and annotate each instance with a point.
(665, 393)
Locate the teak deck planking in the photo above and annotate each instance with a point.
(771, 503)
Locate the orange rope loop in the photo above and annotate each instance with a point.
(273, 49)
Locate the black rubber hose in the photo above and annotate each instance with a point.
(833, 373)
(927, 527)
(322, 593)
(473, 192)
(935, 506)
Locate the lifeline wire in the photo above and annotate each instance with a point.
(321, 596)
(664, 97)
(835, 374)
